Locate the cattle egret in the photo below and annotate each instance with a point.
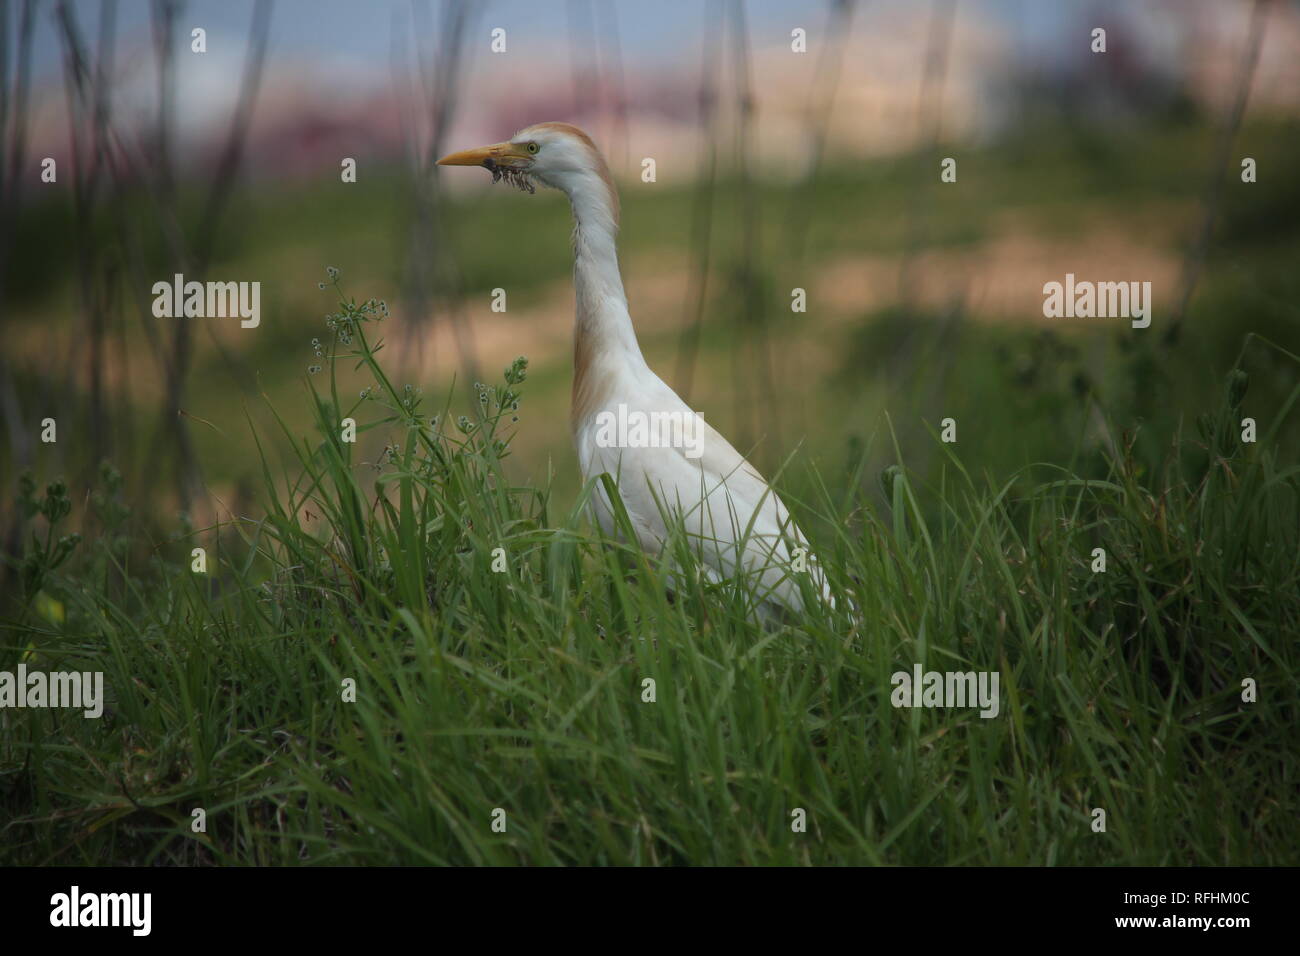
(626, 422)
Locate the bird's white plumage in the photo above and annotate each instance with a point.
(735, 521)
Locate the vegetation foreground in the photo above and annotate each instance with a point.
(416, 662)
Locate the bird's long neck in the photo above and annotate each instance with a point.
(604, 341)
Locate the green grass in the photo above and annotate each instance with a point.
(524, 690)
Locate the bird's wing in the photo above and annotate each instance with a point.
(720, 496)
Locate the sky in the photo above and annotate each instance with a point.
(357, 33)
(334, 62)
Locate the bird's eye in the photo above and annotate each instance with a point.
(532, 147)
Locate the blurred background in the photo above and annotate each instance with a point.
(774, 170)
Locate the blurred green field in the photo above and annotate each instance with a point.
(1051, 184)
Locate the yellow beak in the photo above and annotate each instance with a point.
(508, 155)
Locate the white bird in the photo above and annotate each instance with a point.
(734, 520)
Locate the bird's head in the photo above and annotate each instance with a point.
(553, 154)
